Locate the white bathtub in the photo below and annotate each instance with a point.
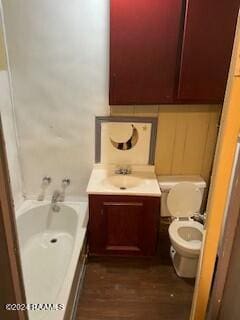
(50, 244)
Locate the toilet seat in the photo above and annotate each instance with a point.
(184, 244)
(184, 199)
(185, 254)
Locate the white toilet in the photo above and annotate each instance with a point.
(182, 200)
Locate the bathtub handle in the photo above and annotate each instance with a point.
(45, 183)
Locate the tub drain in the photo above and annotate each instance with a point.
(53, 240)
(123, 188)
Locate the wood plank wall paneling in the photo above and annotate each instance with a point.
(3, 60)
(186, 136)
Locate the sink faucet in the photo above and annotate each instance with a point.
(55, 198)
(123, 170)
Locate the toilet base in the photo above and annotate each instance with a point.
(184, 267)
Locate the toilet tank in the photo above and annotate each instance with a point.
(167, 182)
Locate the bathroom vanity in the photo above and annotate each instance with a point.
(123, 211)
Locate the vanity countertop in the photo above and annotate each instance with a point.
(142, 181)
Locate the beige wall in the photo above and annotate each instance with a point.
(3, 64)
(186, 136)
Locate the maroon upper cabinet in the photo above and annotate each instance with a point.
(170, 51)
(143, 50)
(207, 47)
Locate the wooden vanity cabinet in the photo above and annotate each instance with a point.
(123, 225)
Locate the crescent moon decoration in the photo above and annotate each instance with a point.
(129, 144)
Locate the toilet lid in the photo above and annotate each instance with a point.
(184, 199)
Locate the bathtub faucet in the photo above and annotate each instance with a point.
(55, 198)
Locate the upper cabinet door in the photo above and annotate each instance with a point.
(144, 42)
(207, 48)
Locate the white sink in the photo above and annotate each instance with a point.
(142, 181)
(123, 182)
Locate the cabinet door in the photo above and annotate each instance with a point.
(123, 225)
(143, 50)
(207, 48)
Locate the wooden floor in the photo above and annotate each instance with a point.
(135, 289)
